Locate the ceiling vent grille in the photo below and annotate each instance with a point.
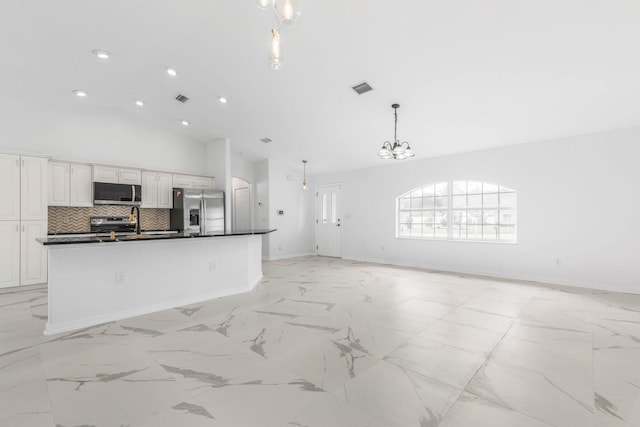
(181, 98)
(362, 88)
(265, 140)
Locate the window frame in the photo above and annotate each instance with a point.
(501, 189)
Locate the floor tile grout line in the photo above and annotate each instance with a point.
(486, 360)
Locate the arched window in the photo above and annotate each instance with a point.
(458, 210)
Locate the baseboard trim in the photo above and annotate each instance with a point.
(287, 256)
(534, 279)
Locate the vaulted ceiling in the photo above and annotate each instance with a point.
(468, 74)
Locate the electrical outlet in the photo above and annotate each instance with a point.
(212, 265)
(121, 278)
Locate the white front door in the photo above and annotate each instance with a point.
(328, 218)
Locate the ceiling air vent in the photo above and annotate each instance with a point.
(362, 88)
(182, 98)
(265, 140)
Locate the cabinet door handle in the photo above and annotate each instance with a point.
(23, 163)
(17, 162)
(23, 228)
(17, 227)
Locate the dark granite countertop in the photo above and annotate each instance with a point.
(53, 240)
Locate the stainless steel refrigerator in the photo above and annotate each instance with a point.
(197, 211)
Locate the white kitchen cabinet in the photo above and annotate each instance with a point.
(203, 182)
(157, 190)
(105, 174)
(70, 184)
(9, 253)
(115, 175)
(23, 217)
(9, 187)
(192, 181)
(182, 181)
(34, 174)
(58, 194)
(149, 190)
(80, 185)
(129, 176)
(33, 255)
(165, 191)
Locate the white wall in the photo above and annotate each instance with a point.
(261, 175)
(242, 167)
(99, 135)
(578, 211)
(218, 156)
(295, 229)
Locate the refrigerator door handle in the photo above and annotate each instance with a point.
(203, 217)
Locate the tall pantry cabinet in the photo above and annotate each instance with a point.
(23, 218)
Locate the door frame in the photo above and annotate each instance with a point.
(233, 202)
(317, 191)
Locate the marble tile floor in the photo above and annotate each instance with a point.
(328, 342)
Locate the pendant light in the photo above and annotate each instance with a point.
(285, 14)
(398, 150)
(304, 179)
(275, 53)
(263, 4)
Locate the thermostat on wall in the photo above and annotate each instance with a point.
(280, 212)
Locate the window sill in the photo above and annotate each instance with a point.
(429, 239)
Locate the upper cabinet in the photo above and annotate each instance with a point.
(157, 190)
(33, 188)
(58, 194)
(9, 187)
(192, 181)
(117, 175)
(70, 184)
(80, 185)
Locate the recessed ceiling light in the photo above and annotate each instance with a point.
(185, 123)
(172, 72)
(140, 103)
(222, 100)
(79, 93)
(101, 54)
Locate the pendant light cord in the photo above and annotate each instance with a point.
(395, 128)
(275, 14)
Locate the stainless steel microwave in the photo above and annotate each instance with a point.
(105, 193)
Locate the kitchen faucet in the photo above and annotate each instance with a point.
(137, 209)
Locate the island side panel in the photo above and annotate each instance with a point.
(91, 284)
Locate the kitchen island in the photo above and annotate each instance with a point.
(93, 280)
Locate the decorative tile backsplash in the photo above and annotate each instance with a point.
(64, 219)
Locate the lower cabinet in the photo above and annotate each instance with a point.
(33, 255)
(9, 253)
(23, 261)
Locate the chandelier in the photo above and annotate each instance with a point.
(398, 150)
(286, 14)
